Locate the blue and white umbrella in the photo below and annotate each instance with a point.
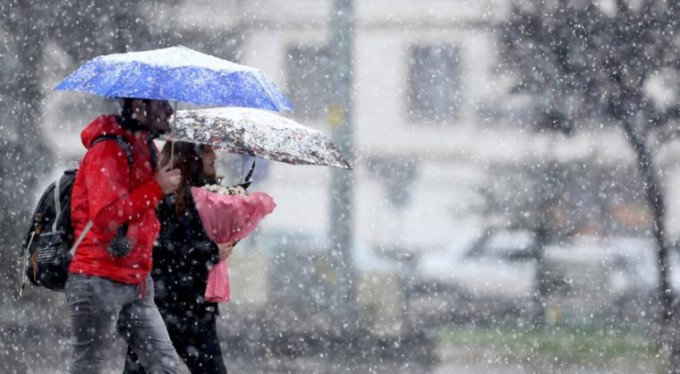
(179, 74)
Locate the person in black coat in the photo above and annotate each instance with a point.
(182, 257)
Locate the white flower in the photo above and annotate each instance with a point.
(230, 190)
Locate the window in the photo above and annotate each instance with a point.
(434, 85)
(309, 80)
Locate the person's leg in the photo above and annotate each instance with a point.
(213, 352)
(178, 335)
(201, 351)
(132, 364)
(142, 327)
(94, 306)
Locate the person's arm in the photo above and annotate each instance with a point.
(207, 249)
(165, 243)
(201, 242)
(111, 202)
(186, 243)
(183, 236)
(213, 252)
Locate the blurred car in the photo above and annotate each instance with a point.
(490, 275)
(494, 275)
(613, 277)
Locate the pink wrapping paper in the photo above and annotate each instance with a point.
(218, 290)
(228, 218)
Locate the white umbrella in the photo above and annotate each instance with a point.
(257, 133)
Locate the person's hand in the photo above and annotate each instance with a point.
(225, 250)
(168, 179)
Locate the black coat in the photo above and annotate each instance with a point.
(182, 256)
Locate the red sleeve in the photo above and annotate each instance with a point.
(111, 203)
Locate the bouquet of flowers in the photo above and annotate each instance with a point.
(228, 215)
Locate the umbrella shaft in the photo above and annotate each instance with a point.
(172, 144)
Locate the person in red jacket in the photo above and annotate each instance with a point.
(114, 203)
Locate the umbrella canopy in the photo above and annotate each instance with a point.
(257, 133)
(177, 73)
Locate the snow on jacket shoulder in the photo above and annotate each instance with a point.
(110, 193)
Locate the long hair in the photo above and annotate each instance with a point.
(188, 158)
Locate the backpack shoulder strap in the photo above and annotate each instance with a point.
(121, 141)
(57, 202)
(61, 183)
(87, 228)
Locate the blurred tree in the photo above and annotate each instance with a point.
(525, 199)
(25, 155)
(607, 63)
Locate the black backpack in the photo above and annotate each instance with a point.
(48, 245)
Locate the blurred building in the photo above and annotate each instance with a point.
(434, 123)
(433, 119)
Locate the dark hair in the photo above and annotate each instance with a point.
(126, 107)
(188, 158)
(125, 118)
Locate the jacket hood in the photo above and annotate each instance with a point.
(102, 125)
(107, 124)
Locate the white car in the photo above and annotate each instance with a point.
(612, 276)
(494, 274)
(481, 276)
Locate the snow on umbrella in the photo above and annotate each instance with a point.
(177, 73)
(257, 133)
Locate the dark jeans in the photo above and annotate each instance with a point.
(96, 305)
(196, 342)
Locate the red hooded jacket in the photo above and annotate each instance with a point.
(110, 193)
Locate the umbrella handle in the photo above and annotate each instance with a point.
(247, 182)
(172, 144)
(250, 173)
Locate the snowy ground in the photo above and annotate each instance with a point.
(46, 351)
(452, 363)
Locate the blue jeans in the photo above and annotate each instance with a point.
(96, 304)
